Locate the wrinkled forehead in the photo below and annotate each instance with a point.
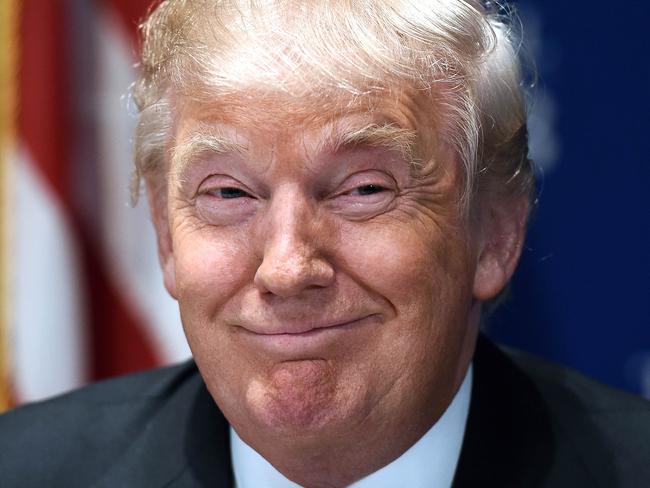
(398, 117)
(398, 104)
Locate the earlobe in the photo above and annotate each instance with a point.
(157, 200)
(169, 275)
(502, 230)
(490, 278)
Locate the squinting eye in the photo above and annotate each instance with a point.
(367, 190)
(228, 193)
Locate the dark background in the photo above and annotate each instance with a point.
(581, 295)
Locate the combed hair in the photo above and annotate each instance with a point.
(463, 53)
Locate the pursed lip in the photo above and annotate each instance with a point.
(293, 340)
(302, 328)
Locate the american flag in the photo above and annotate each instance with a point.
(82, 293)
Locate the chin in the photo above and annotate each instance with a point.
(304, 397)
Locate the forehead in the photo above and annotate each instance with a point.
(248, 114)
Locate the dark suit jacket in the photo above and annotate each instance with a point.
(531, 424)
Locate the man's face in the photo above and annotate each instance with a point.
(325, 282)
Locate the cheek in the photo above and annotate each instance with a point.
(210, 265)
(409, 265)
(426, 278)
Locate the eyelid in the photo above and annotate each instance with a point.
(219, 193)
(228, 182)
(366, 178)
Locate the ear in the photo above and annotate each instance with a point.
(502, 230)
(157, 199)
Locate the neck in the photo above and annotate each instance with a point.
(338, 464)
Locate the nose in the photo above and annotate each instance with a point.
(293, 255)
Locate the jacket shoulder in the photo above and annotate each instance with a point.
(82, 431)
(568, 383)
(606, 430)
(532, 423)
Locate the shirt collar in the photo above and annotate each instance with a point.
(431, 461)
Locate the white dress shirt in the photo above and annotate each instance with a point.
(431, 461)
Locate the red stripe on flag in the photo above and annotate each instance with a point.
(44, 122)
(132, 12)
(118, 343)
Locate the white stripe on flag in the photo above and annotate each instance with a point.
(47, 332)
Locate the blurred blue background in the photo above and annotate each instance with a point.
(581, 295)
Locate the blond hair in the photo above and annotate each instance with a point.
(462, 52)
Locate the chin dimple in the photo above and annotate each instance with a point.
(295, 394)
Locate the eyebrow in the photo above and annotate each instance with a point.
(387, 136)
(199, 144)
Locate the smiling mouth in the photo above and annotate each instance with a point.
(303, 328)
(303, 338)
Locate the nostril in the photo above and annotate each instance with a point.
(290, 276)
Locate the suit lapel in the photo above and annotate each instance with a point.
(185, 444)
(509, 439)
(207, 445)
